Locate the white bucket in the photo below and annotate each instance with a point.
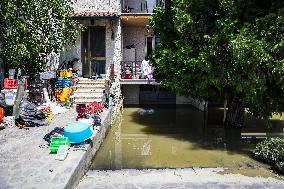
(9, 120)
(12, 73)
(10, 98)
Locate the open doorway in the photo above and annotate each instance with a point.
(93, 51)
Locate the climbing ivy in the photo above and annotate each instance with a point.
(31, 29)
(233, 49)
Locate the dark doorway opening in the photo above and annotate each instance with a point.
(93, 51)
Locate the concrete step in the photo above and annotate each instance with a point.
(91, 91)
(91, 82)
(88, 95)
(84, 78)
(90, 86)
(86, 101)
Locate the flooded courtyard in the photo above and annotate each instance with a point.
(176, 137)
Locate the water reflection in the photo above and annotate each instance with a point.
(174, 137)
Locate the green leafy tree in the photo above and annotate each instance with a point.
(232, 49)
(31, 29)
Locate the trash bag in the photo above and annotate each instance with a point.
(30, 115)
(2, 102)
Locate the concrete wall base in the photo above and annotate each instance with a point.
(84, 163)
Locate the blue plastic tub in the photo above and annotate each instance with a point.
(78, 132)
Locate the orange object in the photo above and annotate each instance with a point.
(1, 114)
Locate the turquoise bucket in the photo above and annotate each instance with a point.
(78, 132)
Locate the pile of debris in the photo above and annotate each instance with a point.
(30, 116)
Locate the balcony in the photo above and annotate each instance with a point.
(137, 12)
(132, 73)
(140, 6)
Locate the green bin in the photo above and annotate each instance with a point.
(56, 142)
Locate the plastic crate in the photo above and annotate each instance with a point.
(56, 142)
(65, 73)
(12, 83)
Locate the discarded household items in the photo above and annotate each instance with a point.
(142, 111)
(91, 108)
(47, 111)
(35, 90)
(2, 125)
(10, 90)
(12, 83)
(47, 75)
(30, 115)
(12, 73)
(147, 70)
(56, 132)
(57, 108)
(64, 87)
(1, 113)
(9, 121)
(56, 142)
(105, 99)
(62, 152)
(78, 132)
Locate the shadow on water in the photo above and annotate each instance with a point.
(175, 137)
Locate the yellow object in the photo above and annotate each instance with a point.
(65, 73)
(63, 94)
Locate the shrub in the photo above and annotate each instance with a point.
(270, 150)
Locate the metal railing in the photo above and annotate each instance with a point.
(133, 70)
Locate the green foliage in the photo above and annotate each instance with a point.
(31, 29)
(223, 48)
(270, 150)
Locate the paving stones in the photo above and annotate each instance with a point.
(24, 157)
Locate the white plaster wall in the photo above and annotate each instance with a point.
(73, 52)
(114, 56)
(136, 36)
(113, 46)
(97, 5)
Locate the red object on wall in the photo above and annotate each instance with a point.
(92, 108)
(12, 83)
(126, 76)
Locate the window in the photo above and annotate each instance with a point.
(151, 43)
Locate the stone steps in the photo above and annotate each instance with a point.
(88, 91)
(88, 95)
(90, 86)
(91, 82)
(87, 101)
(85, 80)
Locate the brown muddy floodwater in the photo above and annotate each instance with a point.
(175, 137)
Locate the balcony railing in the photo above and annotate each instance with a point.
(141, 6)
(134, 70)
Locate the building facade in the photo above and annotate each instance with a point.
(117, 35)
